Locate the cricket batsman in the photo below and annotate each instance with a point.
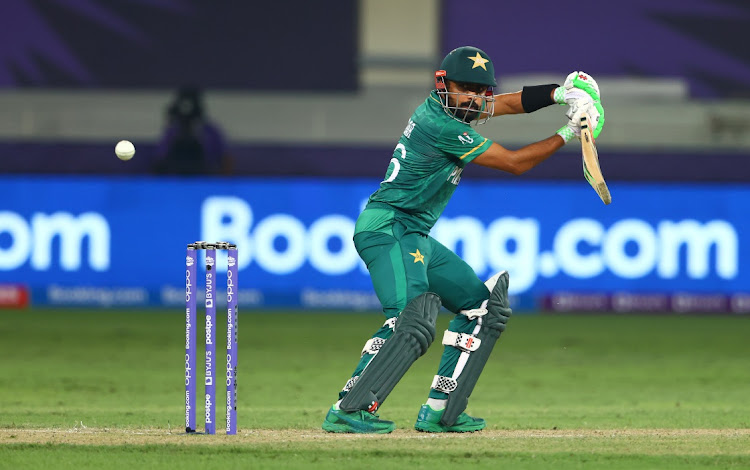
(412, 273)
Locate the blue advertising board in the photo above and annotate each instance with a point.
(122, 241)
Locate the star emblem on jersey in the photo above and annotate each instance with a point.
(479, 61)
(418, 257)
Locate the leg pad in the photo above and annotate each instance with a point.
(490, 325)
(414, 332)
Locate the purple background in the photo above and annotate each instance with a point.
(168, 43)
(705, 41)
(278, 45)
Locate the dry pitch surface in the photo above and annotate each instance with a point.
(648, 441)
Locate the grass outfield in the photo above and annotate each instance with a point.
(104, 389)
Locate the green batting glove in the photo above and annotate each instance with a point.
(581, 81)
(585, 82)
(600, 120)
(576, 84)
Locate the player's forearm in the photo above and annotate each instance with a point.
(532, 155)
(522, 160)
(508, 103)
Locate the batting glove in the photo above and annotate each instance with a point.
(575, 111)
(572, 129)
(576, 84)
(581, 81)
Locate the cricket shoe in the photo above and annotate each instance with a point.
(429, 421)
(361, 422)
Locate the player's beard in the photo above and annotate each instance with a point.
(468, 111)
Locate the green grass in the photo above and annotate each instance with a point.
(559, 392)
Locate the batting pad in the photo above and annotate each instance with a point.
(414, 332)
(489, 327)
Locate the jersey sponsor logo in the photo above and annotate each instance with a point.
(465, 138)
(409, 127)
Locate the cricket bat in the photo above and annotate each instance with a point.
(591, 169)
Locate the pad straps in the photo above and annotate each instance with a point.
(462, 341)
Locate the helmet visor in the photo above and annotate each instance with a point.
(466, 102)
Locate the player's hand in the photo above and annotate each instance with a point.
(580, 81)
(579, 106)
(572, 91)
(579, 99)
(573, 128)
(594, 110)
(585, 82)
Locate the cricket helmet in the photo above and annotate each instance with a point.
(470, 65)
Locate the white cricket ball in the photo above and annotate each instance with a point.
(124, 150)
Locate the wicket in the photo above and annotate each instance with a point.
(210, 343)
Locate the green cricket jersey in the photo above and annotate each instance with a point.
(425, 169)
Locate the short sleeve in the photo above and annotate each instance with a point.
(462, 142)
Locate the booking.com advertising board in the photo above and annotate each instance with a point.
(121, 242)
